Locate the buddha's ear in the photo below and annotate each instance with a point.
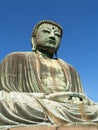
(33, 44)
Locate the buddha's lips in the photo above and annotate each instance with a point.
(51, 41)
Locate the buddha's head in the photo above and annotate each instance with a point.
(46, 36)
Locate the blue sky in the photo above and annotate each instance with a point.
(79, 45)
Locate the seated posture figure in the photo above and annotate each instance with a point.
(36, 88)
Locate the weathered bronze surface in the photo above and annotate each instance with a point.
(38, 89)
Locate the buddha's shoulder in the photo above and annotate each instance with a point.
(19, 54)
(68, 65)
(64, 62)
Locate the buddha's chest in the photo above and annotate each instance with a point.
(52, 75)
(51, 68)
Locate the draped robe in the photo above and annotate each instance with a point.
(25, 99)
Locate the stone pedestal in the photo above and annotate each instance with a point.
(87, 127)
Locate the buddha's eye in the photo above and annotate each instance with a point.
(46, 31)
(58, 35)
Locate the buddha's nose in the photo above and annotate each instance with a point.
(52, 36)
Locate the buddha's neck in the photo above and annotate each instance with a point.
(45, 54)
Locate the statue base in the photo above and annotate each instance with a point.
(87, 127)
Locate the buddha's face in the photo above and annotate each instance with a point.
(48, 37)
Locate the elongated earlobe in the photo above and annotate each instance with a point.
(33, 44)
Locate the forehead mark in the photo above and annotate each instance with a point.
(53, 28)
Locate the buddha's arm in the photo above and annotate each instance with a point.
(10, 68)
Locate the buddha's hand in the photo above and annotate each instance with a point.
(76, 100)
(59, 96)
(69, 97)
(38, 95)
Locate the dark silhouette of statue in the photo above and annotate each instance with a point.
(36, 88)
